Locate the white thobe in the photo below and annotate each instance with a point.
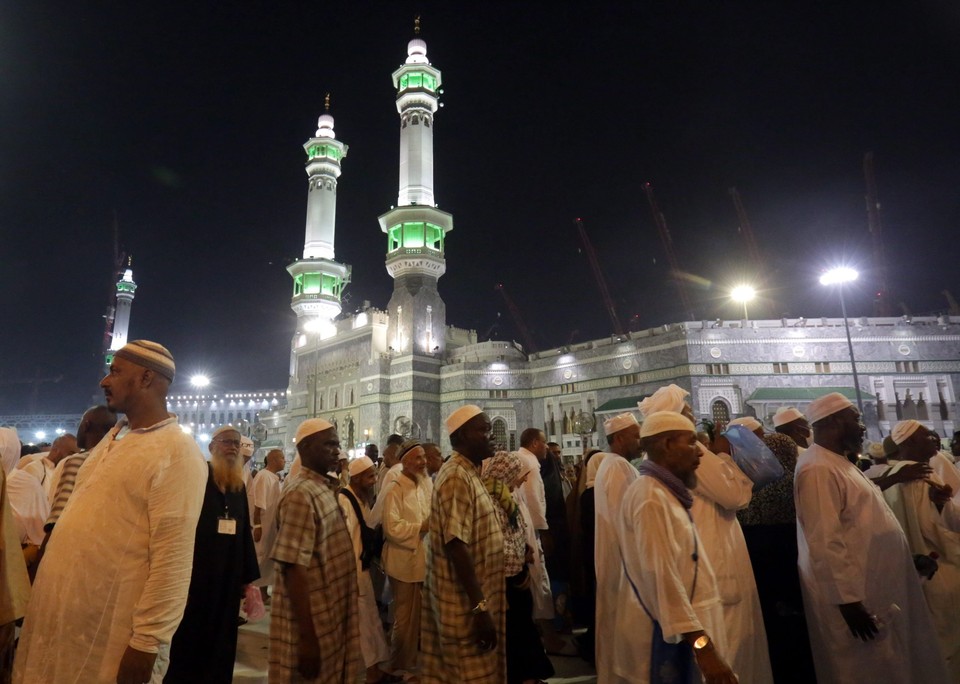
(266, 496)
(613, 478)
(851, 549)
(928, 529)
(375, 516)
(117, 566)
(373, 642)
(722, 489)
(659, 560)
(532, 494)
(29, 503)
(948, 473)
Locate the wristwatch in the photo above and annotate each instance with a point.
(701, 643)
(481, 607)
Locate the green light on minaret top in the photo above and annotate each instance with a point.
(418, 79)
(322, 150)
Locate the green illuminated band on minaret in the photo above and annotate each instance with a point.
(319, 280)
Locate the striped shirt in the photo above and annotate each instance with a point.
(313, 534)
(65, 484)
(462, 509)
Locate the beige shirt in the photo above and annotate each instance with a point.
(14, 583)
(406, 506)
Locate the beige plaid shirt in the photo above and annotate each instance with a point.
(313, 534)
(462, 509)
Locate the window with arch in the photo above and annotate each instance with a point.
(720, 413)
(499, 426)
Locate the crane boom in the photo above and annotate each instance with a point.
(661, 224)
(882, 302)
(517, 319)
(598, 276)
(746, 230)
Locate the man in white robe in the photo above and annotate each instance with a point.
(666, 566)
(615, 605)
(930, 518)
(247, 447)
(373, 642)
(266, 496)
(533, 448)
(855, 564)
(112, 587)
(29, 502)
(722, 489)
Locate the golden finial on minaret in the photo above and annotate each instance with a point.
(326, 103)
(129, 261)
(416, 25)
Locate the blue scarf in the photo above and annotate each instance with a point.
(668, 480)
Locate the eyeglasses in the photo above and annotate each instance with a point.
(228, 442)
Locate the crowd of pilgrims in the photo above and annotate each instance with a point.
(724, 555)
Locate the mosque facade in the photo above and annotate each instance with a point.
(404, 369)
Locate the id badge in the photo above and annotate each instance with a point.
(226, 526)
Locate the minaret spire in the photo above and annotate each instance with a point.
(319, 280)
(416, 229)
(126, 290)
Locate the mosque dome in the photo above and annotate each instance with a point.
(417, 51)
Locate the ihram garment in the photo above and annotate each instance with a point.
(659, 560)
(313, 535)
(117, 566)
(928, 529)
(266, 495)
(373, 643)
(533, 495)
(461, 509)
(614, 604)
(722, 489)
(851, 548)
(205, 645)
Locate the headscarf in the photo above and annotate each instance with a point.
(9, 448)
(593, 465)
(498, 474)
(669, 398)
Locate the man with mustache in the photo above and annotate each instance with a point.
(205, 645)
(856, 569)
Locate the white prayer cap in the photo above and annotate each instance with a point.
(826, 405)
(669, 398)
(749, 422)
(618, 423)
(311, 426)
(224, 428)
(902, 430)
(246, 446)
(359, 465)
(461, 416)
(665, 421)
(785, 415)
(875, 450)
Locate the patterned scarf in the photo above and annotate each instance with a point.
(668, 480)
(498, 474)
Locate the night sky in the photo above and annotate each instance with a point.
(186, 121)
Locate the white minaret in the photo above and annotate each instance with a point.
(126, 290)
(318, 280)
(415, 228)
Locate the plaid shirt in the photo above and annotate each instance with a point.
(313, 534)
(462, 509)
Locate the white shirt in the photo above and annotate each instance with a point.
(28, 502)
(614, 476)
(406, 506)
(722, 489)
(376, 513)
(531, 491)
(659, 560)
(851, 549)
(117, 566)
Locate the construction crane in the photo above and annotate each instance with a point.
(517, 319)
(747, 232)
(598, 276)
(882, 302)
(661, 223)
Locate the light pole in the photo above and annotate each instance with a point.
(743, 294)
(840, 276)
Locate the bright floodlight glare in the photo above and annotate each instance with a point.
(743, 293)
(839, 276)
(41, 434)
(199, 380)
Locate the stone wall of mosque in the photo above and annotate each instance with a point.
(907, 368)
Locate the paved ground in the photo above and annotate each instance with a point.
(251, 666)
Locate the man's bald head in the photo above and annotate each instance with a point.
(96, 422)
(63, 446)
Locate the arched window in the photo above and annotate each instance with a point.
(500, 433)
(720, 413)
